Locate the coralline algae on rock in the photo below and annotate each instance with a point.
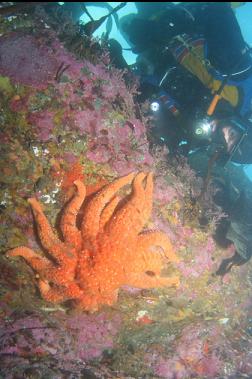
(25, 62)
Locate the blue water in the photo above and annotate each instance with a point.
(243, 15)
(97, 12)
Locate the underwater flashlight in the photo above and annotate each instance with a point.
(203, 129)
(155, 106)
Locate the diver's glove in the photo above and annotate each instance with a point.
(227, 264)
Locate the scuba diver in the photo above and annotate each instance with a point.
(202, 42)
(193, 58)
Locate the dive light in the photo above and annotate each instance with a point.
(155, 106)
(203, 129)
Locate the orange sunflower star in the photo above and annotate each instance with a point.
(108, 251)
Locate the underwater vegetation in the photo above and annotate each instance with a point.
(69, 125)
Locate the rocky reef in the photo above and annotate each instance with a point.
(68, 115)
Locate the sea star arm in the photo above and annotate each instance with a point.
(58, 294)
(37, 262)
(148, 261)
(64, 254)
(108, 211)
(68, 226)
(131, 216)
(91, 220)
(152, 248)
(152, 239)
(45, 268)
